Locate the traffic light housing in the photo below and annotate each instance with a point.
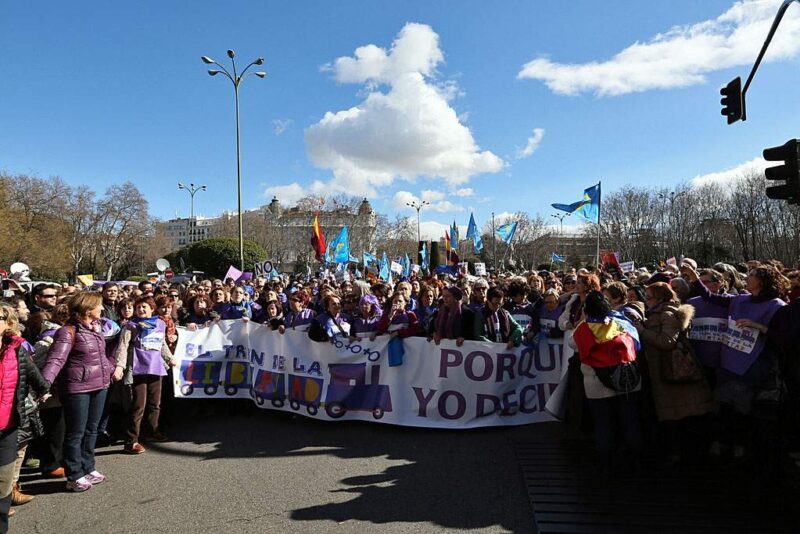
(789, 172)
(733, 101)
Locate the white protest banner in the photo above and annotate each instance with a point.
(627, 266)
(396, 268)
(414, 268)
(742, 339)
(262, 268)
(709, 329)
(443, 386)
(480, 269)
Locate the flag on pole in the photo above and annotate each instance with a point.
(406, 263)
(340, 247)
(369, 259)
(384, 273)
(424, 255)
(555, 258)
(317, 239)
(588, 207)
(506, 232)
(447, 241)
(474, 234)
(454, 236)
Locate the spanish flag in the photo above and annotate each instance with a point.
(318, 240)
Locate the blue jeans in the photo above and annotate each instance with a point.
(82, 412)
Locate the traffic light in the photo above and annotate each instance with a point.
(733, 101)
(789, 172)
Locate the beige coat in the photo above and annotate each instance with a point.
(672, 401)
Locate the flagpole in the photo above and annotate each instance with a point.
(599, 200)
(494, 244)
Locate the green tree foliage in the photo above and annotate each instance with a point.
(214, 256)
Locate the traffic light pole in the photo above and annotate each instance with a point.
(736, 110)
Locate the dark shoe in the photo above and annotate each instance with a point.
(55, 473)
(158, 437)
(18, 498)
(104, 439)
(134, 448)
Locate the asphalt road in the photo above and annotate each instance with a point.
(273, 472)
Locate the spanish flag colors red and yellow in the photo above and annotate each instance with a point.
(317, 239)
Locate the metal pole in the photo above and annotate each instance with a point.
(494, 244)
(239, 179)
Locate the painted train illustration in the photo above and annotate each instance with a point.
(347, 391)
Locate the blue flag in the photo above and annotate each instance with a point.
(406, 266)
(474, 234)
(454, 236)
(424, 255)
(369, 259)
(384, 274)
(588, 207)
(353, 259)
(506, 232)
(555, 258)
(340, 247)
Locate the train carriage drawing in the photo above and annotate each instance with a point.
(269, 386)
(305, 391)
(205, 374)
(237, 376)
(348, 391)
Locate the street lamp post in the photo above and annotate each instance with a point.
(236, 79)
(418, 206)
(561, 218)
(192, 189)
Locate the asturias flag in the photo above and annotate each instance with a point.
(588, 207)
(317, 239)
(384, 274)
(506, 232)
(340, 247)
(474, 234)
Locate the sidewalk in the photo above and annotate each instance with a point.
(567, 494)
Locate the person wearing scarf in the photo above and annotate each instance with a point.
(398, 320)
(495, 324)
(453, 320)
(365, 323)
(428, 295)
(605, 339)
(273, 316)
(747, 365)
(237, 308)
(142, 355)
(330, 323)
(299, 317)
(523, 312)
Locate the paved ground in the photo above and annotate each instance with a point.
(269, 471)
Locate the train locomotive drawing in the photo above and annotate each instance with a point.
(348, 391)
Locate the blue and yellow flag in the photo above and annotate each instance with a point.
(506, 232)
(588, 207)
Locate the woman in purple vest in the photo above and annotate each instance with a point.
(747, 363)
(299, 316)
(141, 357)
(365, 323)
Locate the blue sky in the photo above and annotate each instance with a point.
(392, 100)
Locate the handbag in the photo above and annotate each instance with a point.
(680, 365)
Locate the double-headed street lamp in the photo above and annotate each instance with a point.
(192, 189)
(561, 217)
(236, 79)
(418, 206)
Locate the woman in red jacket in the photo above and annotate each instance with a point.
(17, 374)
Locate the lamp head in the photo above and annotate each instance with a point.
(259, 61)
(181, 186)
(207, 60)
(203, 188)
(261, 74)
(231, 54)
(212, 72)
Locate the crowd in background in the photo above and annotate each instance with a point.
(80, 365)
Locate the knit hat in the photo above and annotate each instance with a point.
(456, 292)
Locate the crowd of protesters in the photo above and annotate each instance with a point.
(74, 360)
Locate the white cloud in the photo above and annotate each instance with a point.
(678, 58)
(432, 230)
(281, 125)
(729, 175)
(408, 131)
(464, 192)
(401, 200)
(533, 143)
(288, 195)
